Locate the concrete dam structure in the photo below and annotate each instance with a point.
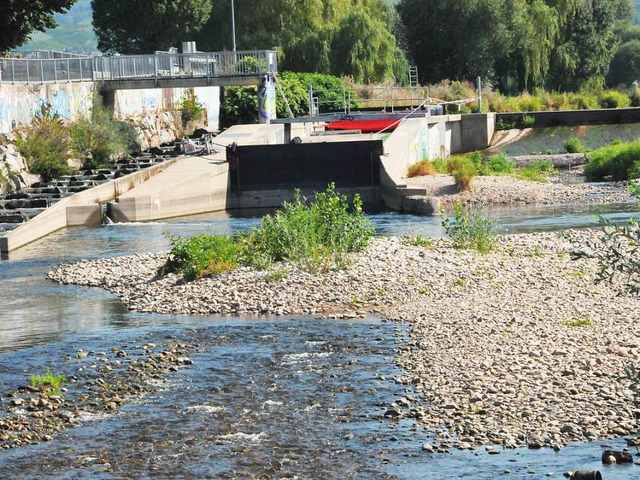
(254, 167)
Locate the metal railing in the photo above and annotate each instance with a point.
(386, 98)
(186, 65)
(23, 70)
(55, 67)
(44, 54)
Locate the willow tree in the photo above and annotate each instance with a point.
(143, 26)
(307, 34)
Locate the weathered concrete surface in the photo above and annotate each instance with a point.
(191, 185)
(80, 205)
(417, 139)
(196, 184)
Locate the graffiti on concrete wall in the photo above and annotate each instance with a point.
(20, 103)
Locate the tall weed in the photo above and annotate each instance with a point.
(470, 228)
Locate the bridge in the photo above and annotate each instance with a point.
(158, 70)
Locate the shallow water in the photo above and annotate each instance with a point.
(270, 398)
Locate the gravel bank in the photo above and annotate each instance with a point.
(507, 190)
(517, 347)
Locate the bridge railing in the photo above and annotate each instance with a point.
(41, 70)
(185, 65)
(58, 67)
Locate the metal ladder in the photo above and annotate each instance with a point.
(413, 82)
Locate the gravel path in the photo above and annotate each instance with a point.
(507, 190)
(516, 347)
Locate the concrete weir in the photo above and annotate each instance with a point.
(192, 185)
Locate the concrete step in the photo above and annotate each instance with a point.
(405, 191)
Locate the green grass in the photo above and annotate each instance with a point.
(418, 241)
(574, 145)
(538, 171)
(316, 237)
(470, 228)
(577, 322)
(49, 383)
(620, 161)
(201, 255)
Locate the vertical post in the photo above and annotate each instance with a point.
(310, 100)
(479, 95)
(55, 71)
(80, 64)
(233, 25)
(68, 72)
(42, 71)
(13, 71)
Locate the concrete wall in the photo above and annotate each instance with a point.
(20, 103)
(133, 103)
(610, 116)
(428, 138)
(80, 209)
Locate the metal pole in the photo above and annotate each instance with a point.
(479, 95)
(233, 24)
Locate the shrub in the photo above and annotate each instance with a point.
(528, 121)
(190, 108)
(46, 145)
(615, 161)
(317, 236)
(201, 255)
(101, 139)
(421, 168)
(617, 251)
(538, 171)
(499, 164)
(49, 383)
(573, 145)
(470, 229)
(464, 171)
(614, 99)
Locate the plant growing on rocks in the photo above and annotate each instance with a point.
(470, 228)
(573, 145)
(48, 383)
(98, 140)
(538, 171)
(315, 236)
(191, 108)
(617, 251)
(201, 255)
(620, 161)
(45, 145)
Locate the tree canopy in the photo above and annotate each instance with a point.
(144, 26)
(518, 44)
(354, 37)
(19, 18)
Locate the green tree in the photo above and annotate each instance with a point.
(308, 35)
(585, 45)
(143, 26)
(625, 65)
(455, 39)
(18, 18)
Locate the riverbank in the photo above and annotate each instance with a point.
(508, 190)
(517, 347)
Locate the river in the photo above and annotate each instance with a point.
(266, 398)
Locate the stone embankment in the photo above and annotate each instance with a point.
(517, 347)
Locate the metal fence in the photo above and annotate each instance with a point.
(59, 67)
(23, 70)
(44, 54)
(185, 65)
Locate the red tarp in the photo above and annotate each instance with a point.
(365, 125)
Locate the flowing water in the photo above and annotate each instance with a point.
(266, 397)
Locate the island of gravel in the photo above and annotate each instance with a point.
(515, 347)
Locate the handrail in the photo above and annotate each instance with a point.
(132, 67)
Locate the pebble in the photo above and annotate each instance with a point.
(498, 346)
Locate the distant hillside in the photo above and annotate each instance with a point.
(74, 33)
